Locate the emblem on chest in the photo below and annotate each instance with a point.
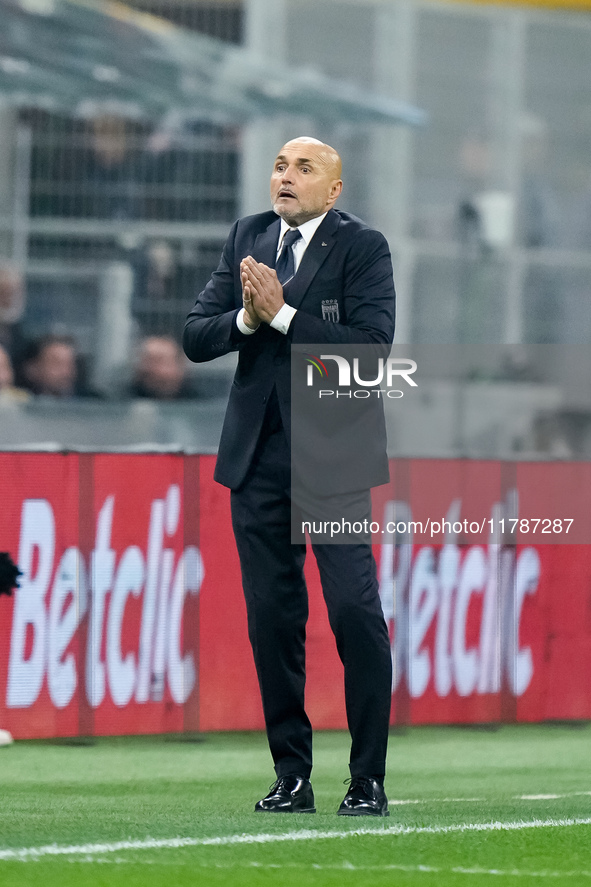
(330, 310)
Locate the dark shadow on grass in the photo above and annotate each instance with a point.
(492, 727)
(572, 725)
(189, 736)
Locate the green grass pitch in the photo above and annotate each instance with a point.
(468, 807)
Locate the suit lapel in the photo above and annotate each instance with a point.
(265, 245)
(315, 255)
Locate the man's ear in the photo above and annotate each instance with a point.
(335, 190)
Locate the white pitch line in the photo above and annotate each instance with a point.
(537, 797)
(350, 867)
(399, 867)
(26, 853)
(549, 797)
(401, 802)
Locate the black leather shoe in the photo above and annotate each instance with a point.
(290, 794)
(366, 797)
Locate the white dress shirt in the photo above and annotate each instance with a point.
(286, 313)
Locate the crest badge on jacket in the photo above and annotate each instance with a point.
(330, 310)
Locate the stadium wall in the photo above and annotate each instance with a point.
(130, 618)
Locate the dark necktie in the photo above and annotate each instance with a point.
(285, 266)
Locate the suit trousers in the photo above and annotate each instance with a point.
(277, 610)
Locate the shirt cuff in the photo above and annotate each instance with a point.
(283, 318)
(248, 331)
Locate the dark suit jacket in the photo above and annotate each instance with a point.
(346, 262)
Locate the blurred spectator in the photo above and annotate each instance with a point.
(51, 367)
(7, 389)
(537, 211)
(540, 226)
(161, 370)
(6, 373)
(166, 278)
(477, 267)
(156, 281)
(110, 170)
(475, 159)
(491, 217)
(12, 306)
(131, 174)
(578, 199)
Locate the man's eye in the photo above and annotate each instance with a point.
(305, 168)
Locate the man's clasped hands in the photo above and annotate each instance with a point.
(262, 294)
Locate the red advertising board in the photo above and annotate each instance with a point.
(130, 618)
(102, 634)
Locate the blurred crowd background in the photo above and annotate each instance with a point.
(112, 222)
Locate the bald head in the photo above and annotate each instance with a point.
(306, 180)
(324, 154)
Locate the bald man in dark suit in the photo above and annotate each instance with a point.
(303, 273)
